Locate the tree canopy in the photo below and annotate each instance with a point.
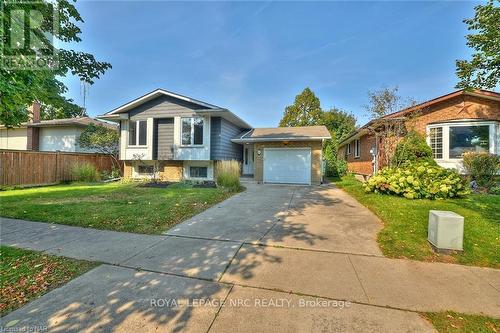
(483, 69)
(20, 87)
(305, 111)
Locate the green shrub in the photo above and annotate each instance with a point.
(85, 172)
(418, 181)
(228, 174)
(482, 168)
(340, 167)
(336, 167)
(412, 148)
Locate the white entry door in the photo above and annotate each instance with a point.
(287, 165)
(248, 160)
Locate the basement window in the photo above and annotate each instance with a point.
(198, 172)
(145, 169)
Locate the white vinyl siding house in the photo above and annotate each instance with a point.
(53, 135)
(13, 138)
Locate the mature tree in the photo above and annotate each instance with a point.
(384, 102)
(340, 123)
(305, 111)
(20, 87)
(483, 70)
(101, 139)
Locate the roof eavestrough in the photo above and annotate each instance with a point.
(305, 133)
(398, 115)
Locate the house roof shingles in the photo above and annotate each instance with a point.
(398, 114)
(78, 122)
(283, 133)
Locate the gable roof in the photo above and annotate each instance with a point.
(210, 109)
(304, 133)
(154, 94)
(68, 122)
(398, 115)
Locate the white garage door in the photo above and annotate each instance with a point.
(287, 165)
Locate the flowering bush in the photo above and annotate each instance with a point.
(418, 181)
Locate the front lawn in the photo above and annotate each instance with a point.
(405, 225)
(115, 206)
(452, 322)
(27, 275)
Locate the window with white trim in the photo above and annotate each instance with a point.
(349, 148)
(469, 139)
(436, 142)
(450, 140)
(198, 172)
(137, 133)
(357, 148)
(192, 131)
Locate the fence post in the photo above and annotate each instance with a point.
(56, 178)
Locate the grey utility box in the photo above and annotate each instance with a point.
(445, 230)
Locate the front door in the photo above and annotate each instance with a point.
(248, 160)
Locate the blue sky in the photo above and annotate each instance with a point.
(254, 57)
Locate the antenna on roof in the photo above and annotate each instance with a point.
(84, 91)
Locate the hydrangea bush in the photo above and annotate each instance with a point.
(418, 181)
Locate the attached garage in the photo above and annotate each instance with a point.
(284, 155)
(287, 165)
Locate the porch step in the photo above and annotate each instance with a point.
(248, 180)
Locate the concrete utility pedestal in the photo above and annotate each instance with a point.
(445, 231)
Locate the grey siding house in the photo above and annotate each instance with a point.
(180, 137)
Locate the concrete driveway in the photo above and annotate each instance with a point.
(281, 258)
(316, 218)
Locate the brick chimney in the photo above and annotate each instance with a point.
(33, 132)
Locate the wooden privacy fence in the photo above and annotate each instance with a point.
(25, 168)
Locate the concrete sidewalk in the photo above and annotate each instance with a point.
(300, 244)
(400, 284)
(200, 258)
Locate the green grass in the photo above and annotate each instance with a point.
(405, 225)
(27, 275)
(114, 206)
(452, 322)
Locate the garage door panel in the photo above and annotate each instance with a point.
(287, 166)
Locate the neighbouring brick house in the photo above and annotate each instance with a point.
(453, 124)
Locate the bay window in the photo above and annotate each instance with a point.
(192, 131)
(449, 141)
(137, 133)
(436, 142)
(469, 138)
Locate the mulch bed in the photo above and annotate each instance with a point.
(157, 184)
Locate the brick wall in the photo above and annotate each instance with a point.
(460, 107)
(169, 170)
(362, 164)
(453, 109)
(316, 147)
(127, 169)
